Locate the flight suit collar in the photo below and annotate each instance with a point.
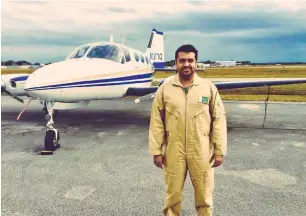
(176, 81)
(196, 79)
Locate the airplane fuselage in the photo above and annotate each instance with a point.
(86, 78)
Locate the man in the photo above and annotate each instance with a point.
(188, 120)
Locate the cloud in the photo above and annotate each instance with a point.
(218, 29)
(121, 10)
(38, 53)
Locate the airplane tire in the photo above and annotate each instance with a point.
(58, 139)
(50, 140)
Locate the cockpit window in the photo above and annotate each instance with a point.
(126, 54)
(106, 51)
(79, 52)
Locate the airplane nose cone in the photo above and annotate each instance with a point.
(38, 77)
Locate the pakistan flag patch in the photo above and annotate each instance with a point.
(203, 99)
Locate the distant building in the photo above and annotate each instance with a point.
(24, 66)
(202, 65)
(226, 63)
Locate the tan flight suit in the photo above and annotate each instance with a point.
(190, 127)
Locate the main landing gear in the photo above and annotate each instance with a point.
(52, 135)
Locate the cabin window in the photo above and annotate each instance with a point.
(107, 51)
(142, 58)
(147, 60)
(136, 56)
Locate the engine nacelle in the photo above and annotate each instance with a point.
(14, 83)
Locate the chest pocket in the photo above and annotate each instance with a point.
(202, 109)
(202, 118)
(171, 118)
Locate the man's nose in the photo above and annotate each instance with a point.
(186, 64)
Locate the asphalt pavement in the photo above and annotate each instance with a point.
(103, 166)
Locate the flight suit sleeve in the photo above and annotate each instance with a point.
(219, 124)
(156, 131)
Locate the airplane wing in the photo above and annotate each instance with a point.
(146, 93)
(258, 83)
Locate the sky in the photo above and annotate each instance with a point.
(241, 30)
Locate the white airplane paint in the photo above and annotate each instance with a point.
(99, 71)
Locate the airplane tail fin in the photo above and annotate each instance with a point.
(155, 49)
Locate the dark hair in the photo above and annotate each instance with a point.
(187, 48)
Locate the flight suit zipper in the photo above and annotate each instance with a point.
(186, 122)
(186, 100)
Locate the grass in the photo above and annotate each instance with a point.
(276, 98)
(294, 89)
(16, 71)
(294, 93)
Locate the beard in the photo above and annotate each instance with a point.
(186, 75)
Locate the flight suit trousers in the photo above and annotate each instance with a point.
(203, 184)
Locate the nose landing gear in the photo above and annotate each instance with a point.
(52, 138)
(52, 135)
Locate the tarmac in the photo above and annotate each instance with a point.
(103, 166)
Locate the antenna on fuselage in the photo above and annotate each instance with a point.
(111, 38)
(122, 39)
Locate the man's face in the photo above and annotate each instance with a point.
(186, 64)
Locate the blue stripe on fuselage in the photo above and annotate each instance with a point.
(92, 85)
(97, 82)
(21, 78)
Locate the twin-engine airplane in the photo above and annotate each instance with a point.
(99, 71)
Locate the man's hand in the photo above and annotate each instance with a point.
(159, 161)
(218, 160)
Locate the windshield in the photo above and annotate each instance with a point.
(126, 54)
(106, 51)
(79, 52)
